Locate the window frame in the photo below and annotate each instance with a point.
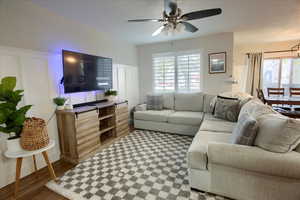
(176, 55)
(279, 70)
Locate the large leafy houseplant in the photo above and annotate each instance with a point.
(12, 117)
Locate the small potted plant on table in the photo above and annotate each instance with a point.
(60, 102)
(11, 117)
(111, 95)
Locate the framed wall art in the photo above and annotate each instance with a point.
(217, 62)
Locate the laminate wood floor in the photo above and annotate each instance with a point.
(33, 187)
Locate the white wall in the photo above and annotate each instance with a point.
(24, 26)
(211, 83)
(31, 70)
(240, 51)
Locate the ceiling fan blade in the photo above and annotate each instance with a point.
(158, 31)
(171, 7)
(201, 14)
(189, 27)
(146, 20)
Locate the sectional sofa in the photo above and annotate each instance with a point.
(216, 165)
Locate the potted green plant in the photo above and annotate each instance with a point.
(12, 117)
(111, 95)
(60, 102)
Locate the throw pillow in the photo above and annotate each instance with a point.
(256, 108)
(155, 102)
(245, 131)
(278, 133)
(227, 108)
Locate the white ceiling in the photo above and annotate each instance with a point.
(251, 20)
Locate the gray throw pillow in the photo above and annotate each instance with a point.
(278, 133)
(227, 108)
(155, 102)
(245, 131)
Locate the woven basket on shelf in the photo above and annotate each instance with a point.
(34, 134)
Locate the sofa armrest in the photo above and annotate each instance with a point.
(141, 107)
(255, 159)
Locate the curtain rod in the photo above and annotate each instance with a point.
(282, 51)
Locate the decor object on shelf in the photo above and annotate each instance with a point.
(173, 19)
(20, 154)
(11, 117)
(60, 102)
(217, 63)
(111, 95)
(69, 105)
(34, 134)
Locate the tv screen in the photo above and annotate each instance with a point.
(83, 72)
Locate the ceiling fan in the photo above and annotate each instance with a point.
(173, 19)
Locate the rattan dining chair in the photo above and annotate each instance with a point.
(295, 92)
(278, 92)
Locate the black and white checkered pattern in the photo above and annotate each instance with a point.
(143, 165)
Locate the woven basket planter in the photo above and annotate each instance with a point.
(34, 134)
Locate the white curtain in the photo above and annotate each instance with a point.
(253, 73)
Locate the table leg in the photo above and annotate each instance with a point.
(18, 174)
(50, 168)
(35, 165)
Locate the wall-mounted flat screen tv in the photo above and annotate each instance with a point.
(83, 72)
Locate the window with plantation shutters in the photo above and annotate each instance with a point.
(164, 73)
(188, 72)
(176, 72)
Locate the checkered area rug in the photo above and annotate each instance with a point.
(143, 165)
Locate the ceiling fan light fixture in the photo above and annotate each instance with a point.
(179, 27)
(158, 31)
(174, 21)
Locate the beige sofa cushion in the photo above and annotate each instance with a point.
(278, 133)
(217, 126)
(255, 159)
(211, 117)
(186, 117)
(189, 102)
(197, 153)
(153, 115)
(168, 99)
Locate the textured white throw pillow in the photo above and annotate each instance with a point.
(277, 133)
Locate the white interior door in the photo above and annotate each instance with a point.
(122, 83)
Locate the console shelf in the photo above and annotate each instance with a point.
(85, 129)
(107, 116)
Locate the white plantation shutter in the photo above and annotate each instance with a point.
(176, 72)
(164, 73)
(188, 72)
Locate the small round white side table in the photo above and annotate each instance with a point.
(19, 155)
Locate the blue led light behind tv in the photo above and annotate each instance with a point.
(83, 72)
